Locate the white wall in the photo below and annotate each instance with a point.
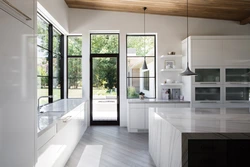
(170, 32)
(59, 10)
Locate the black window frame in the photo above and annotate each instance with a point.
(141, 35)
(69, 57)
(146, 83)
(50, 51)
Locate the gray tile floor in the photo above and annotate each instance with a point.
(120, 148)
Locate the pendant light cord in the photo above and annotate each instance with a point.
(187, 37)
(145, 8)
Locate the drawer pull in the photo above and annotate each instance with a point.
(16, 10)
(208, 102)
(67, 119)
(208, 83)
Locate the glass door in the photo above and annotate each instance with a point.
(237, 75)
(240, 94)
(208, 75)
(104, 90)
(207, 94)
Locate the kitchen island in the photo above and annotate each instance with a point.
(195, 137)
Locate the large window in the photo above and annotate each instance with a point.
(49, 61)
(74, 66)
(141, 48)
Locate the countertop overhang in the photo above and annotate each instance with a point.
(206, 120)
(156, 101)
(53, 112)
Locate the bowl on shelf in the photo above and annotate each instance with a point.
(169, 80)
(171, 53)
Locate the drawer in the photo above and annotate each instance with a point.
(136, 106)
(182, 105)
(45, 137)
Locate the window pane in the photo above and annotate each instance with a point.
(42, 33)
(104, 43)
(136, 85)
(57, 66)
(56, 42)
(74, 77)
(136, 46)
(74, 45)
(134, 68)
(42, 62)
(56, 89)
(42, 89)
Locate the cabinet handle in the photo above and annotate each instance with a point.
(208, 83)
(16, 10)
(239, 102)
(238, 83)
(67, 119)
(208, 102)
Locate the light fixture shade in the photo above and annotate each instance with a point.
(144, 66)
(187, 72)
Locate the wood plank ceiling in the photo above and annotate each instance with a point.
(236, 10)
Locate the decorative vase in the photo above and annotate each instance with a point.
(141, 97)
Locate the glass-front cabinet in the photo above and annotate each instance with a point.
(207, 75)
(237, 75)
(207, 94)
(237, 94)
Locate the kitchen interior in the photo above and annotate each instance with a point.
(124, 83)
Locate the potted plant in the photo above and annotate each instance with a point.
(141, 95)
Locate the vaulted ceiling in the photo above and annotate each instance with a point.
(236, 10)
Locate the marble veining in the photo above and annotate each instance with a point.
(52, 112)
(200, 120)
(156, 101)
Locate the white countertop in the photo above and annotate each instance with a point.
(195, 120)
(156, 101)
(54, 111)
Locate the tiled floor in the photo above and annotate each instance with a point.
(119, 148)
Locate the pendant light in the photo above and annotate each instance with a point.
(187, 72)
(144, 66)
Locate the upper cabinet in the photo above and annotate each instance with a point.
(236, 52)
(23, 10)
(208, 75)
(237, 75)
(206, 52)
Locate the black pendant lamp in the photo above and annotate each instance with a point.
(144, 65)
(187, 72)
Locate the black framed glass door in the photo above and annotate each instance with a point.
(104, 89)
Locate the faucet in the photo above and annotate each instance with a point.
(38, 102)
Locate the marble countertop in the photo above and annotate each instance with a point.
(156, 101)
(52, 112)
(212, 120)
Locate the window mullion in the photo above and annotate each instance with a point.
(50, 40)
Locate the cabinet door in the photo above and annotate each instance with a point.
(236, 52)
(207, 75)
(207, 94)
(23, 10)
(206, 52)
(237, 75)
(137, 118)
(18, 93)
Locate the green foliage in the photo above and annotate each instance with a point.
(104, 72)
(137, 42)
(74, 72)
(74, 45)
(101, 44)
(132, 92)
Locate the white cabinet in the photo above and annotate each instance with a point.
(23, 10)
(56, 151)
(206, 52)
(236, 52)
(18, 93)
(137, 114)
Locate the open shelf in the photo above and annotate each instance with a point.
(171, 56)
(172, 70)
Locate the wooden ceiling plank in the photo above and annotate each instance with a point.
(245, 21)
